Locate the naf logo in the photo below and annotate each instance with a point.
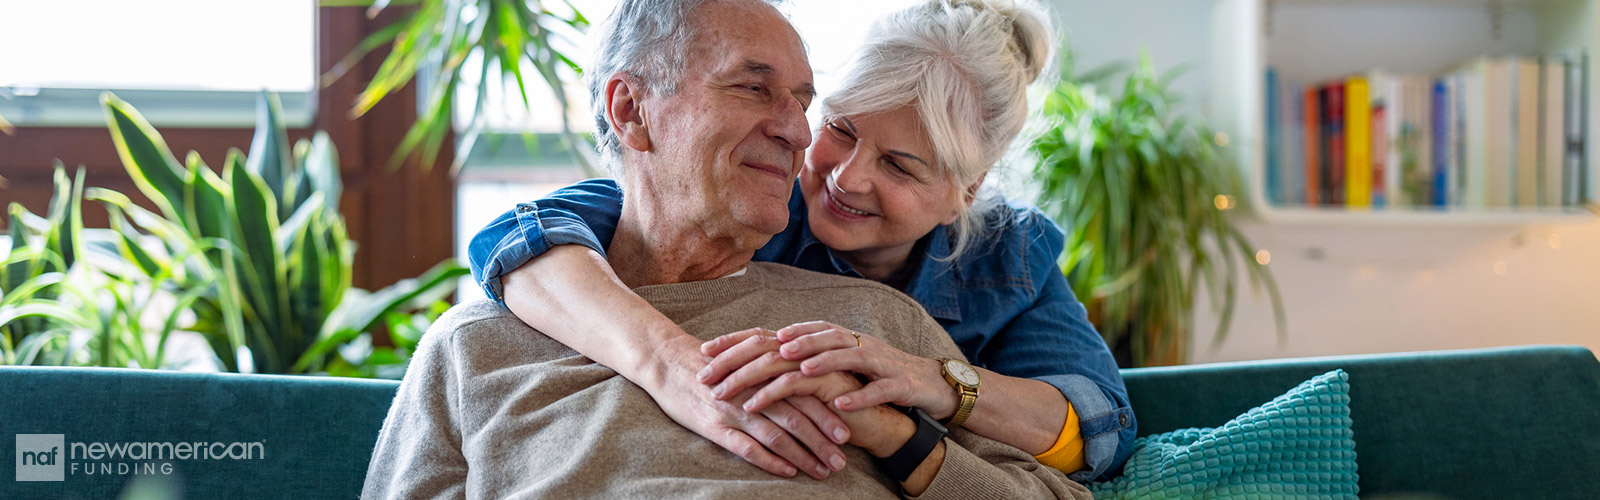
(40, 457)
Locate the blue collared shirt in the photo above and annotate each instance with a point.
(1005, 303)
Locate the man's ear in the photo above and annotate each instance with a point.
(625, 111)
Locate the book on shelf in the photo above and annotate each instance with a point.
(1382, 97)
(1335, 185)
(1274, 140)
(1526, 85)
(1552, 135)
(1493, 132)
(1575, 167)
(1357, 143)
(1311, 144)
(1292, 140)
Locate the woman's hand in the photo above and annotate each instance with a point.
(742, 360)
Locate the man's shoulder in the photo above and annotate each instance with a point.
(476, 315)
(486, 333)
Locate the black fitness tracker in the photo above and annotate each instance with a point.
(904, 461)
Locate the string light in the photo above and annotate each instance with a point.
(1221, 138)
(1500, 268)
(1555, 241)
(1223, 202)
(1263, 257)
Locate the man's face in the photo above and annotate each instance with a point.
(727, 146)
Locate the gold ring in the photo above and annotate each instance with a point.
(858, 338)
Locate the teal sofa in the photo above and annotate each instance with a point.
(1500, 423)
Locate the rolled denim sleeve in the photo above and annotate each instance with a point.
(1052, 341)
(585, 214)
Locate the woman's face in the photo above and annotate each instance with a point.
(871, 183)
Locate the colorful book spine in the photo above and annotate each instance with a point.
(1441, 144)
(1357, 143)
(1409, 147)
(1460, 160)
(1525, 88)
(1325, 164)
(1274, 140)
(1335, 186)
(1311, 120)
(1572, 179)
(1552, 136)
(1380, 155)
(1293, 138)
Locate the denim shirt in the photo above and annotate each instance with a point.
(1005, 302)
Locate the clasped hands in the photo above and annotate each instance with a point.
(788, 375)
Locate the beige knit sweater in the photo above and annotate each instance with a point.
(491, 408)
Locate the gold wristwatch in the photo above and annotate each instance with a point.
(964, 378)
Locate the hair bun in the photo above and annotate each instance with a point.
(1030, 31)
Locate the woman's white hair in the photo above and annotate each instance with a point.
(649, 40)
(964, 65)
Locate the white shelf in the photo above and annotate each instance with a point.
(1309, 40)
(1423, 216)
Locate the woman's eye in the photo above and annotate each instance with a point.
(899, 169)
(840, 130)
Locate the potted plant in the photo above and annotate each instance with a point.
(254, 260)
(1145, 194)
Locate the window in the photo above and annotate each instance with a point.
(185, 63)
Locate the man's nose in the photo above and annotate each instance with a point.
(789, 125)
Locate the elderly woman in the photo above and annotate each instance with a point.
(890, 192)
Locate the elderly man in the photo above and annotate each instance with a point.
(493, 408)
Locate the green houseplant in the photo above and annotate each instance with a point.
(441, 41)
(1145, 195)
(255, 260)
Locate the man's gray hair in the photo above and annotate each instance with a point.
(649, 40)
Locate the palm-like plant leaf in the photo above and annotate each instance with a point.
(438, 37)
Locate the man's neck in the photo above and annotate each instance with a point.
(661, 250)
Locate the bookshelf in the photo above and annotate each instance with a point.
(1313, 40)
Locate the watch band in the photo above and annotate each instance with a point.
(969, 399)
(904, 461)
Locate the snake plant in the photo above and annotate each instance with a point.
(256, 260)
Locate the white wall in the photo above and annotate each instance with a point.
(1173, 32)
(1352, 289)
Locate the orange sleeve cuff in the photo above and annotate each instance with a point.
(1067, 454)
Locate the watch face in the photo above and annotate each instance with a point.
(962, 372)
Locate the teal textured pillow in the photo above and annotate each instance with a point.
(1298, 445)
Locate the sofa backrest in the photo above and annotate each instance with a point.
(1519, 422)
(316, 433)
(1499, 423)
